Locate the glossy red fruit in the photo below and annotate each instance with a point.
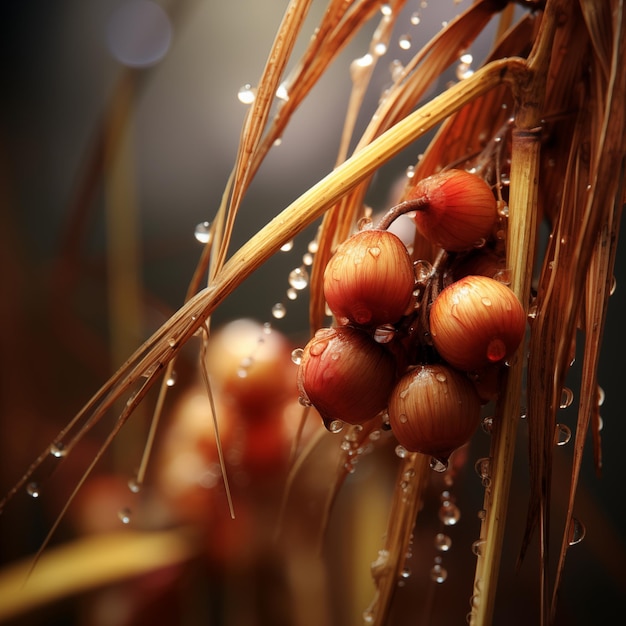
(346, 375)
(476, 322)
(369, 280)
(457, 210)
(433, 409)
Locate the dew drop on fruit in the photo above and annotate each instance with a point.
(576, 531)
(423, 271)
(299, 278)
(279, 311)
(296, 355)
(496, 350)
(443, 543)
(124, 515)
(333, 425)
(33, 489)
(384, 333)
(202, 232)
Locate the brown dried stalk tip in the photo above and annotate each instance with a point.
(370, 279)
(434, 410)
(346, 375)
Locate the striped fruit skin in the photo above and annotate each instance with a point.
(369, 280)
(476, 322)
(434, 409)
(458, 209)
(346, 375)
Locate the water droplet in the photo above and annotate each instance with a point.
(246, 94)
(202, 232)
(487, 424)
(282, 93)
(307, 259)
(286, 247)
(33, 489)
(386, 10)
(567, 397)
(296, 355)
(496, 350)
(404, 42)
(171, 342)
(442, 542)
(299, 278)
(124, 515)
(57, 449)
(438, 573)
(601, 396)
(291, 294)
(368, 617)
(438, 465)
(576, 532)
(401, 452)
(379, 48)
(423, 270)
(486, 301)
(477, 547)
(441, 377)
(171, 379)
(613, 286)
(134, 485)
(449, 514)
(279, 311)
(563, 434)
(364, 223)
(333, 426)
(483, 469)
(384, 333)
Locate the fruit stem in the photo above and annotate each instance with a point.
(414, 204)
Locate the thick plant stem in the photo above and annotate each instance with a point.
(529, 91)
(522, 229)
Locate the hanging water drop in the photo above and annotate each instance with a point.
(134, 485)
(442, 542)
(563, 434)
(576, 532)
(384, 333)
(171, 379)
(299, 278)
(404, 42)
(401, 452)
(477, 547)
(567, 397)
(333, 426)
(438, 465)
(246, 94)
(279, 311)
(286, 247)
(202, 232)
(33, 489)
(124, 515)
(438, 573)
(57, 449)
(449, 514)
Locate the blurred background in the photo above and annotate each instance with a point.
(113, 149)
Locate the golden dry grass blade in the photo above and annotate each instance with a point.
(90, 563)
(413, 475)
